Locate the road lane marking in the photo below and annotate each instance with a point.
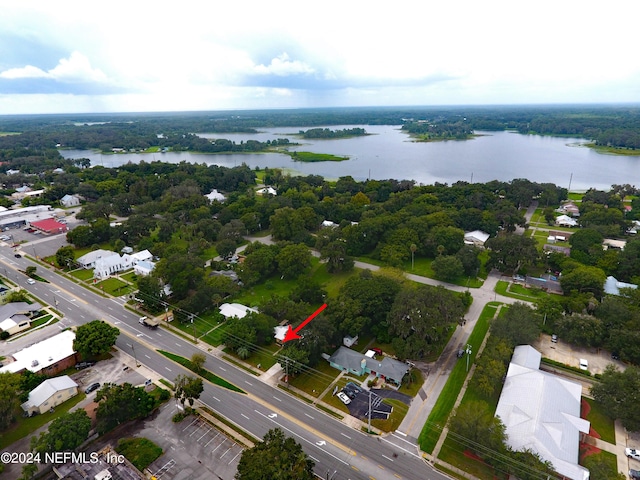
(345, 435)
(310, 442)
(309, 416)
(248, 383)
(216, 398)
(223, 369)
(245, 416)
(168, 368)
(147, 356)
(391, 460)
(277, 398)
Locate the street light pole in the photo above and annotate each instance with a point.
(468, 355)
(134, 356)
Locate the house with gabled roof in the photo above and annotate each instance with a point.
(49, 394)
(389, 369)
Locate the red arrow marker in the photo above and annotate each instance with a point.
(293, 334)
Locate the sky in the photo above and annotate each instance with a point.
(68, 56)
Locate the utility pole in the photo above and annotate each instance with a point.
(134, 356)
(468, 355)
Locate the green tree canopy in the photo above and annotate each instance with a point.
(618, 393)
(95, 338)
(188, 389)
(518, 325)
(511, 252)
(120, 403)
(276, 457)
(65, 433)
(10, 385)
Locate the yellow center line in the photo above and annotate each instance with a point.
(298, 422)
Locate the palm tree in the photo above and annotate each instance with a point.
(243, 352)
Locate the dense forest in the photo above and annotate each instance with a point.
(616, 126)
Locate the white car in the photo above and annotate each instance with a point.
(584, 364)
(343, 398)
(31, 281)
(632, 453)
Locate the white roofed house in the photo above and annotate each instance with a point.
(16, 316)
(144, 268)
(143, 256)
(237, 310)
(49, 394)
(477, 238)
(215, 195)
(70, 201)
(566, 221)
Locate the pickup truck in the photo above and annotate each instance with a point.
(149, 322)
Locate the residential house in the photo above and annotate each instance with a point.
(477, 238)
(144, 269)
(390, 370)
(612, 243)
(47, 357)
(570, 209)
(49, 394)
(267, 191)
(143, 256)
(541, 413)
(235, 310)
(215, 196)
(16, 316)
(70, 201)
(612, 286)
(566, 221)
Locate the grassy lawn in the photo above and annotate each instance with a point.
(600, 421)
(115, 287)
(519, 292)
(206, 374)
(451, 453)
(440, 414)
(395, 419)
(139, 451)
(82, 274)
(264, 356)
(317, 379)
(130, 277)
(412, 387)
(26, 426)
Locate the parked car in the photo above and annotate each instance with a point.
(81, 365)
(17, 255)
(92, 387)
(615, 356)
(377, 351)
(634, 473)
(554, 338)
(584, 364)
(632, 453)
(343, 398)
(460, 353)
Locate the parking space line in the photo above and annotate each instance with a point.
(205, 433)
(217, 447)
(206, 444)
(231, 461)
(226, 452)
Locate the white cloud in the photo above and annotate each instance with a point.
(76, 68)
(283, 66)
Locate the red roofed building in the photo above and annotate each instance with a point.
(50, 226)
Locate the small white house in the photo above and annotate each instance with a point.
(566, 221)
(477, 238)
(70, 201)
(235, 310)
(106, 266)
(267, 191)
(215, 196)
(143, 256)
(50, 393)
(144, 269)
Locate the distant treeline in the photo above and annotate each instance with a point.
(328, 133)
(616, 126)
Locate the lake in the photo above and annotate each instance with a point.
(390, 153)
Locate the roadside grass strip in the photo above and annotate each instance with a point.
(439, 416)
(206, 374)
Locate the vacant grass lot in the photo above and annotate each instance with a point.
(115, 287)
(519, 292)
(318, 379)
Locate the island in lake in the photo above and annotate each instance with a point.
(314, 157)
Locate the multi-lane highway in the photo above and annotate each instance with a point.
(339, 451)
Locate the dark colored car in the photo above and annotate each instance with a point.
(354, 386)
(92, 387)
(634, 473)
(460, 353)
(615, 356)
(81, 365)
(17, 255)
